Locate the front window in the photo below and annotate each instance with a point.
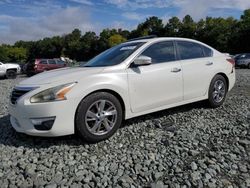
(114, 56)
(52, 62)
(161, 52)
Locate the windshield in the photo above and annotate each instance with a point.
(113, 56)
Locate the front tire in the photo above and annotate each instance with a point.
(11, 74)
(98, 117)
(217, 91)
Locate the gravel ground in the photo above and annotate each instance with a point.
(188, 146)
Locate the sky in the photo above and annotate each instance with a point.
(35, 19)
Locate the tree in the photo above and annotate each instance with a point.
(115, 39)
(89, 46)
(152, 26)
(103, 43)
(12, 54)
(217, 32)
(225, 34)
(16, 54)
(240, 39)
(172, 28)
(72, 45)
(3, 54)
(187, 28)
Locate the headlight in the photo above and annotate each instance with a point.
(52, 94)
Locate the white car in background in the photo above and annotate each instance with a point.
(134, 78)
(9, 70)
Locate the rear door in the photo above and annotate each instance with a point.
(60, 63)
(158, 84)
(42, 65)
(198, 65)
(52, 64)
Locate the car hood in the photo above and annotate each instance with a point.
(63, 74)
(11, 64)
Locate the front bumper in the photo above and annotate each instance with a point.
(63, 111)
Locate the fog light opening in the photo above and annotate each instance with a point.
(43, 124)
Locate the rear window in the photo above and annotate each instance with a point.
(207, 52)
(60, 62)
(189, 50)
(43, 62)
(52, 62)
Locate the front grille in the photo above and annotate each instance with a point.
(17, 93)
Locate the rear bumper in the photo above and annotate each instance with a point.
(231, 79)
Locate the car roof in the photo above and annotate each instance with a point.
(160, 38)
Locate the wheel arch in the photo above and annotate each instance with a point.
(225, 76)
(14, 69)
(117, 95)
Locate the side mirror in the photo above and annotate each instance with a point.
(143, 60)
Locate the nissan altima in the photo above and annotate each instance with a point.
(131, 79)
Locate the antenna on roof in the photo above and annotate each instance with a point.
(144, 37)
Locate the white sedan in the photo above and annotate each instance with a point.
(134, 78)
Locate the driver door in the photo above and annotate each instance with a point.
(158, 84)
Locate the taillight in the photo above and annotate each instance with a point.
(232, 61)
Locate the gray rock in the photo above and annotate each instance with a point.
(157, 175)
(247, 182)
(243, 168)
(51, 186)
(207, 177)
(212, 172)
(195, 176)
(244, 142)
(194, 166)
(158, 184)
(113, 167)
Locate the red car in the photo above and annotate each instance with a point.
(48, 64)
(41, 65)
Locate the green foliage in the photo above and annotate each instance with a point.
(4, 53)
(115, 39)
(227, 35)
(152, 26)
(13, 54)
(173, 26)
(187, 28)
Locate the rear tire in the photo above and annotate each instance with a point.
(217, 91)
(98, 117)
(11, 74)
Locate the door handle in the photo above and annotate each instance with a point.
(209, 63)
(175, 69)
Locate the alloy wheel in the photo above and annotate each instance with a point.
(101, 117)
(219, 91)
